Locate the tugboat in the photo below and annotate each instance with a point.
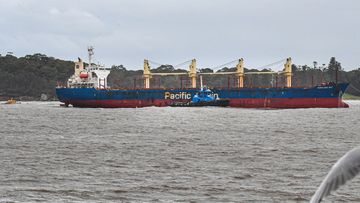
(204, 97)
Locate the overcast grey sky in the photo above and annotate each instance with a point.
(172, 31)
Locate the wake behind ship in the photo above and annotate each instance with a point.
(88, 88)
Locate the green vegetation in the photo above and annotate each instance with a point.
(26, 78)
(30, 76)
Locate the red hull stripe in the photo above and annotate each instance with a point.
(243, 103)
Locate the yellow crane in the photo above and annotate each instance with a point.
(240, 73)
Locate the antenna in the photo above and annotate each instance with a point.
(91, 53)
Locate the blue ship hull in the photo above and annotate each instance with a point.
(327, 96)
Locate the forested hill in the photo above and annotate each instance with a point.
(29, 77)
(32, 75)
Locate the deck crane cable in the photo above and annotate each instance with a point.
(272, 64)
(176, 66)
(155, 63)
(224, 65)
(181, 64)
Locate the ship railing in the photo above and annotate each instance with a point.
(105, 69)
(60, 85)
(219, 73)
(211, 88)
(246, 73)
(265, 72)
(166, 74)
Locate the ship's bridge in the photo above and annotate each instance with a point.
(95, 75)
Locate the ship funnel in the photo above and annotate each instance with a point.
(79, 67)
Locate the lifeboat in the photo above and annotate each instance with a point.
(84, 75)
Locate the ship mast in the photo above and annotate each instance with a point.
(91, 53)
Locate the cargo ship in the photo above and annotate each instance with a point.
(88, 88)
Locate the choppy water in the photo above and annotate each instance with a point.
(54, 154)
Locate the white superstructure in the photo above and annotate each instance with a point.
(94, 75)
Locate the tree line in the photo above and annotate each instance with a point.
(28, 77)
